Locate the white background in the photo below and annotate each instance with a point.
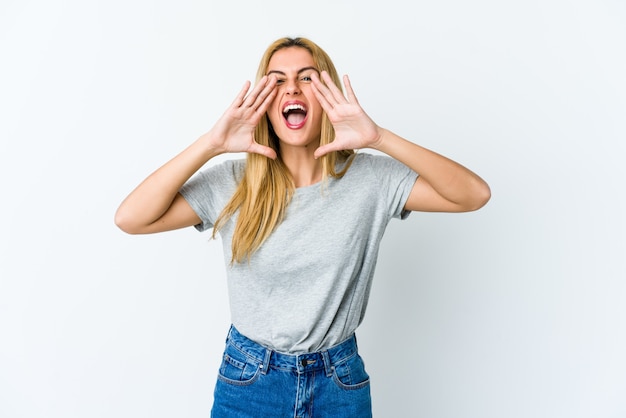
(517, 310)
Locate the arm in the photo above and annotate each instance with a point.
(155, 205)
(442, 186)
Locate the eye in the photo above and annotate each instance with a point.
(306, 78)
(279, 81)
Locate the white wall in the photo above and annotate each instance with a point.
(513, 311)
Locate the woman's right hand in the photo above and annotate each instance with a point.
(234, 131)
(156, 204)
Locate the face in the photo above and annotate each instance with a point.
(295, 113)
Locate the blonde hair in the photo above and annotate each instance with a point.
(267, 187)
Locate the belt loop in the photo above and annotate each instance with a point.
(229, 334)
(328, 367)
(265, 366)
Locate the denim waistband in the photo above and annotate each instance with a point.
(300, 363)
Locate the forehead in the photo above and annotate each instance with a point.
(290, 59)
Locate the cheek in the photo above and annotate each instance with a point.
(318, 113)
(314, 105)
(274, 115)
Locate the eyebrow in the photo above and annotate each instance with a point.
(301, 70)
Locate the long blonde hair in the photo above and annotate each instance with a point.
(267, 187)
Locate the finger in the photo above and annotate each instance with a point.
(317, 87)
(266, 96)
(325, 149)
(241, 96)
(349, 91)
(254, 94)
(334, 90)
(323, 89)
(262, 150)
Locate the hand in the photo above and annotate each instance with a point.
(234, 131)
(353, 127)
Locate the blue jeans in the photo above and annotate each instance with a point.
(256, 382)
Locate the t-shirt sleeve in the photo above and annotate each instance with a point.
(208, 191)
(396, 182)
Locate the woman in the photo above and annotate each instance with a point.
(301, 219)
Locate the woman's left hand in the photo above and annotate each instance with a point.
(354, 129)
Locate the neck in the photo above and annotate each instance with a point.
(304, 168)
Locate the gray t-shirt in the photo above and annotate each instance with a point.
(307, 287)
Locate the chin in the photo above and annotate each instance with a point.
(297, 139)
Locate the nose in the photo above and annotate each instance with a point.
(292, 87)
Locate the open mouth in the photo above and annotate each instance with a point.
(294, 114)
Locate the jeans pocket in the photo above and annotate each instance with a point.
(350, 373)
(237, 368)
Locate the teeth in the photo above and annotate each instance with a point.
(294, 107)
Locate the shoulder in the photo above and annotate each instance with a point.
(364, 161)
(365, 169)
(232, 168)
(381, 170)
(236, 165)
(220, 177)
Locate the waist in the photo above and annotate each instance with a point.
(299, 363)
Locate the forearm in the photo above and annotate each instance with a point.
(452, 181)
(151, 199)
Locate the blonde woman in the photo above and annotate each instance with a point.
(301, 219)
